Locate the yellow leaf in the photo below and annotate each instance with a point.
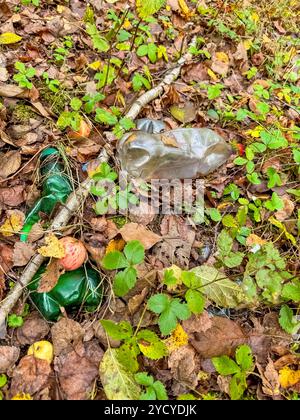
(53, 248)
(184, 8)
(127, 24)
(254, 240)
(283, 229)
(212, 75)
(221, 56)
(177, 339)
(9, 38)
(177, 272)
(13, 224)
(255, 133)
(248, 44)
(255, 17)
(95, 65)
(288, 377)
(22, 397)
(115, 245)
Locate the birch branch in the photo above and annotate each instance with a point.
(78, 197)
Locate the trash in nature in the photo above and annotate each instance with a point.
(55, 189)
(73, 289)
(153, 152)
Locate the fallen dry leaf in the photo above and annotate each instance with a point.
(289, 377)
(286, 211)
(8, 357)
(220, 339)
(135, 302)
(13, 223)
(270, 379)
(185, 366)
(66, 334)
(134, 231)
(22, 254)
(53, 248)
(34, 329)
(78, 370)
(11, 91)
(194, 73)
(220, 63)
(254, 240)
(30, 376)
(12, 196)
(50, 277)
(115, 245)
(10, 162)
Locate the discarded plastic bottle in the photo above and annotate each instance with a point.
(55, 189)
(183, 153)
(73, 289)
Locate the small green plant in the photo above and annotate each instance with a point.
(29, 2)
(239, 369)
(169, 311)
(72, 118)
(225, 244)
(53, 84)
(3, 382)
(214, 91)
(15, 321)
(287, 319)
(154, 390)
(99, 42)
(24, 75)
(133, 255)
(144, 341)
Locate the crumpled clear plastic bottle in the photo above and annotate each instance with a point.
(151, 152)
(55, 189)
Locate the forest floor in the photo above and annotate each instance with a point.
(190, 310)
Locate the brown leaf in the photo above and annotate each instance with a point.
(6, 255)
(50, 277)
(10, 162)
(22, 254)
(194, 73)
(169, 141)
(221, 338)
(197, 323)
(34, 329)
(220, 63)
(184, 114)
(270, 379)
(185, 365)
(135, 302)
(11, 91)
(37, 232)
(78, 370)
(258, 58)
(30, 376)
(8, 357)
(12, 196)
(134, 231)
(66, 333)
(286, 211)
(241, 55)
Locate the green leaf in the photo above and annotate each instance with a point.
(149, 395)
(275, 203)
(190, 280)
(169, 278)
(118, 383)
(274, 139)
(118, 331)
(195, 301)
(124, 281)
(274, 178)
(126, 123)
(143, 378)
(150, 345)
(134, 252)
(14, 321)
(291, 290)
(296, 155)
(240, 161)
(229, 221)
(160, 391)
(76, 104)
(214, 91)
(233, 259)
(218, 288)
(224, 243)
(167, 321)
(152, 52)
(244, 358)
(147, 8)
(114, 260)
(288, 321)
(142, 50)
(158, 303)
(225, 366)
(237, 386)
(254, 178)
(105, 117)
(180, 309)
(3, 380)
(215, 215)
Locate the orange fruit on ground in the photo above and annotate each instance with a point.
(75, 253)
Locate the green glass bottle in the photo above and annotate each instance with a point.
(55, 189)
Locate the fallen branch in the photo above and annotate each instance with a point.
(77, 198)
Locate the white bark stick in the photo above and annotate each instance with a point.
(77, 198)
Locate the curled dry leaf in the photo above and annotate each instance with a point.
(22, 254)
(134, 231)
(10, 162)
(185, 365)
(194, 73)
(66, 334)
(270, 379)
(34, 329)
(286, 211)
(12, 196)
(50, 277)
(30, 376)
(78, 370)
(8, 357)
(220, 63)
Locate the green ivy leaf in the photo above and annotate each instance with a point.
(288, 321)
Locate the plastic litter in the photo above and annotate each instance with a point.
(152, 152)
(55, 189)
(73, 289)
